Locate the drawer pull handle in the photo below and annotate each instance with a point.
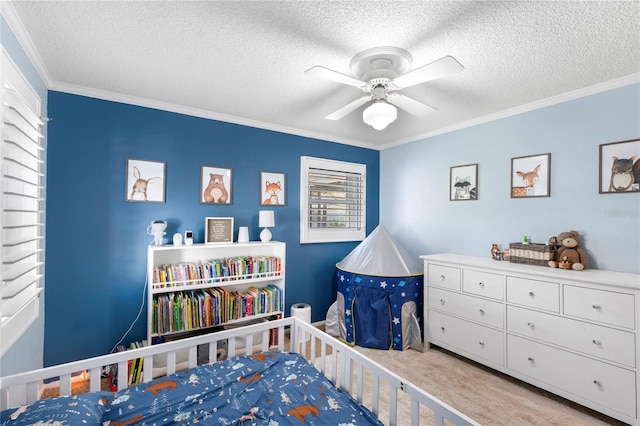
(531, 294)
(597, 342)
(531, 325)
(442, 329)
(531, 360)
(481, 284)
(481, 343)
(481, 311)
(596, 306)
(442, 301)
(597, 383)
(442, 277)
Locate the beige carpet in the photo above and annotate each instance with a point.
(487, 396)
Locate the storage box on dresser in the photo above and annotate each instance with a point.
(264, 277)
(573, 333)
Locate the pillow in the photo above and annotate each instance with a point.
(80, 410)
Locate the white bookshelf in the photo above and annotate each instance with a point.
(186, 286)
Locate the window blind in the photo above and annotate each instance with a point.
(335, 199)
(332, 200)
(22, 205)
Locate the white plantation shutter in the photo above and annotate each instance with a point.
(332, 199)
(22, 205)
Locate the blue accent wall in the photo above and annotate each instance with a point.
(97, 241)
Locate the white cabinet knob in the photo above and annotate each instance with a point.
(597, 383)
(442, 301)
(531, 294)
(481, 284)
(442, 277)
(531, 360)
(481, 311)
(597, 342)
(531, 325)
(442, 329)
(596, 306)
(481, 343)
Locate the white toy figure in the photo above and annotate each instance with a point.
(156, 229)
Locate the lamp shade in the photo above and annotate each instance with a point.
(379, 114)
(266, 219)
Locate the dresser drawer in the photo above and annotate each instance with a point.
(533, 293)
(598, 305)
(477, 340)
(596, 340)
(443, 276)
(596, 381)
(483, 284)
(470, 307)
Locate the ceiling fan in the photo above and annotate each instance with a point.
(381, 72)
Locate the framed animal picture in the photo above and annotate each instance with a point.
(215, 185)
(145, 181)
(272, 189)
(620, 167)
(463, 183)
(531, 176)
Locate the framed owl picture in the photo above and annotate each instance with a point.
(620, 167)
(272, 189)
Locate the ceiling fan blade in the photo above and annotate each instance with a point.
(335, 76)
(410, 105)
(436, 69)
(348, 108)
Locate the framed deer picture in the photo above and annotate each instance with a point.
(531, 176)
(145, 181)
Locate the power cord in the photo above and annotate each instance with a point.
(144, 293)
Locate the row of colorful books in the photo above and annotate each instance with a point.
(135, 367)
(194, 309)
(216, 270)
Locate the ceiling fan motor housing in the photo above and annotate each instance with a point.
(380, 62)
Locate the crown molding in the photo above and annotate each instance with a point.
(543, 103)
(15, 24)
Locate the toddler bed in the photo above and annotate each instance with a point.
(319, 380)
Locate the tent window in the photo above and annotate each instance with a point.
(21, 205)
(332, 201)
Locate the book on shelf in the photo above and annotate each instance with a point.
(194, 309)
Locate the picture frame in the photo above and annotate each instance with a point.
(619, 170)
(531, 176)
(215, 185)
(218, 230)
(463, 183)
(145, 181)
(272, 188)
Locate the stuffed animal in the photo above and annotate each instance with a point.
(568, 252)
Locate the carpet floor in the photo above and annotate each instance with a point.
(487, 396)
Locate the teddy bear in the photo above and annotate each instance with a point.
(568, 252)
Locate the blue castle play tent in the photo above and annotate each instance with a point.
(380, 296)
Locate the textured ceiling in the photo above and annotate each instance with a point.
(244, 61)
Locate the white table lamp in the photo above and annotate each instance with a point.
(266, 220)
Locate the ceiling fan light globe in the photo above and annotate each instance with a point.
(380, 114)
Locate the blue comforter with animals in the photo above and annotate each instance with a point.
(271, 388)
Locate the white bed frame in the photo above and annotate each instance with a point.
(346, 367)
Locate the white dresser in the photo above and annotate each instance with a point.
(573, 333)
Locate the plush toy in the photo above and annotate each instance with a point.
(569, 255)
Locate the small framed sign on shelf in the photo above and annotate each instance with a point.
(218, 230)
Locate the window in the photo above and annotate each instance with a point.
(21, 205)
(332, 200)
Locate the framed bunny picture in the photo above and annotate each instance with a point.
(145, 181)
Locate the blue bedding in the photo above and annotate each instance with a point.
(271, 388)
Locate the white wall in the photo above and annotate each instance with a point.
(414, 183)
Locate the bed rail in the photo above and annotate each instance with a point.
(346, 367)
(350, 370)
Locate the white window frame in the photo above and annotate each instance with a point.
(357, 230)
(22, 204)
